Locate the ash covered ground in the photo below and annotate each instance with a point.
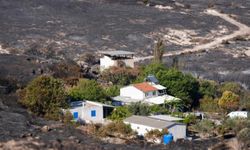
(64, 29)
(68, 28)
(36, 33)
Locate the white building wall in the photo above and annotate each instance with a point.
(140, 129)
(239, 114)
(132, 92)
(84, 113)
(178, 131)
(79, 110)
(87, 114)
(106, 62)
(151, 94)
(129, 62)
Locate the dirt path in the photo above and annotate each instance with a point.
(243, 30)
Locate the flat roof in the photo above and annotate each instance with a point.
(116, 53)
(161, 99)
(166, 117)
(98, 104)
(125, 99)
(80, 103)
(159, 87)
(150, 122)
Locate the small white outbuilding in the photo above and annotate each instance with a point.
(143, 124)
(238, 114)
(114, 58)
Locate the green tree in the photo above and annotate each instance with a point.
(113, 90)
(208, 88)
(44, 96)
(87, 90)
(120, 113)
(175, 106)
(158, 51)
(152, 69)
(183, 86)
(229, 101)
(157, 109)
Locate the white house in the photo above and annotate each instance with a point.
(143, 124)
(147, 92)
(238, 114)
(113, 58)
(90, 112)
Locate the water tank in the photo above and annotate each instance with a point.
(167, 138)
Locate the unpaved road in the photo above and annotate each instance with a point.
(243, 30)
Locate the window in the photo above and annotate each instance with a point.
(93, 113)
(75, 115)
(154, 93)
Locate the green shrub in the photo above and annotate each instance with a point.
(190, 119)
(175, 106)
(120, 113)
(236, 124)
(245, 101)
(157, 109)
(87, 90)
(231, 86)
(138, 108)
(229, 101)
(44, 96)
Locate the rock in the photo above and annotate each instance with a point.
(248, 53)
(72, 138)
(45, 128)
(78, 141)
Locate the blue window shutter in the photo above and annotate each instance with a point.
(93, 113)
(75, 115)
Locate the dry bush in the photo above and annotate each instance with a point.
(89, 58)
(209, 104)
(117, 129)
(66, 69)
(120, 75)
(156, 133)
(210, 4)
